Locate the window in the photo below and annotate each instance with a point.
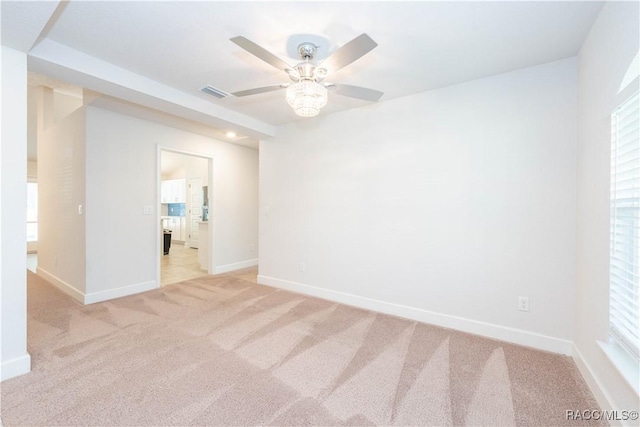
(625, 225)
(32, 212)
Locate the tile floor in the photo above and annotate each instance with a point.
(180, 264)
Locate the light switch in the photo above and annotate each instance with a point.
(79, 209)
(148, 210)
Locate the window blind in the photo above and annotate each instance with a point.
(625, 225)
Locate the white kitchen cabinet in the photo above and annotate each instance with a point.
(177, 225)
(173, 191)
(175, 231)
(180, 191)
(164, 191)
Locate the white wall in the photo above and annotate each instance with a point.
(13, 202)
(443, 206)
(121, 179)
(61, 190)
(603, 61)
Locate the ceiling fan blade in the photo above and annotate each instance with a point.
(261, 53)
(349, 53)
(356, 92)
(258, 90)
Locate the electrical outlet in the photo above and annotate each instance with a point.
(303, 267)
(55, 261)
(148, 210)
(252, 247)
(523, 303)
(80, 210)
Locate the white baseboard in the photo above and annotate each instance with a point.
(61, 284)
(489, 330)
(123, 291)
(594, 385)
(236, 266)
(606, 400)
(94, 297)
(15, 367)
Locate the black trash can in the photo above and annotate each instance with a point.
(167, 241)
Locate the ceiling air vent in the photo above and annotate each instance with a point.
(210, 90)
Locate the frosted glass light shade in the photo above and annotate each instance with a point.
(306, 97)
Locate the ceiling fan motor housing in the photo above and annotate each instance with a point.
(307, 50)
(307, 70)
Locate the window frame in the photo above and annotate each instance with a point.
(624, 232)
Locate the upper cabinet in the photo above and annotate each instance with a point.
(180, 194)
(173, 191)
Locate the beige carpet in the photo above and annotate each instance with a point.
(222, 350)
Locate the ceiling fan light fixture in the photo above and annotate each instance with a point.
(306, 97)
(307, 94)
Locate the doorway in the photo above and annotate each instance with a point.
(182, 180)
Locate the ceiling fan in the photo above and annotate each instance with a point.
(308, 92)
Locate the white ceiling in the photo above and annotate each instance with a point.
(185, 45)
